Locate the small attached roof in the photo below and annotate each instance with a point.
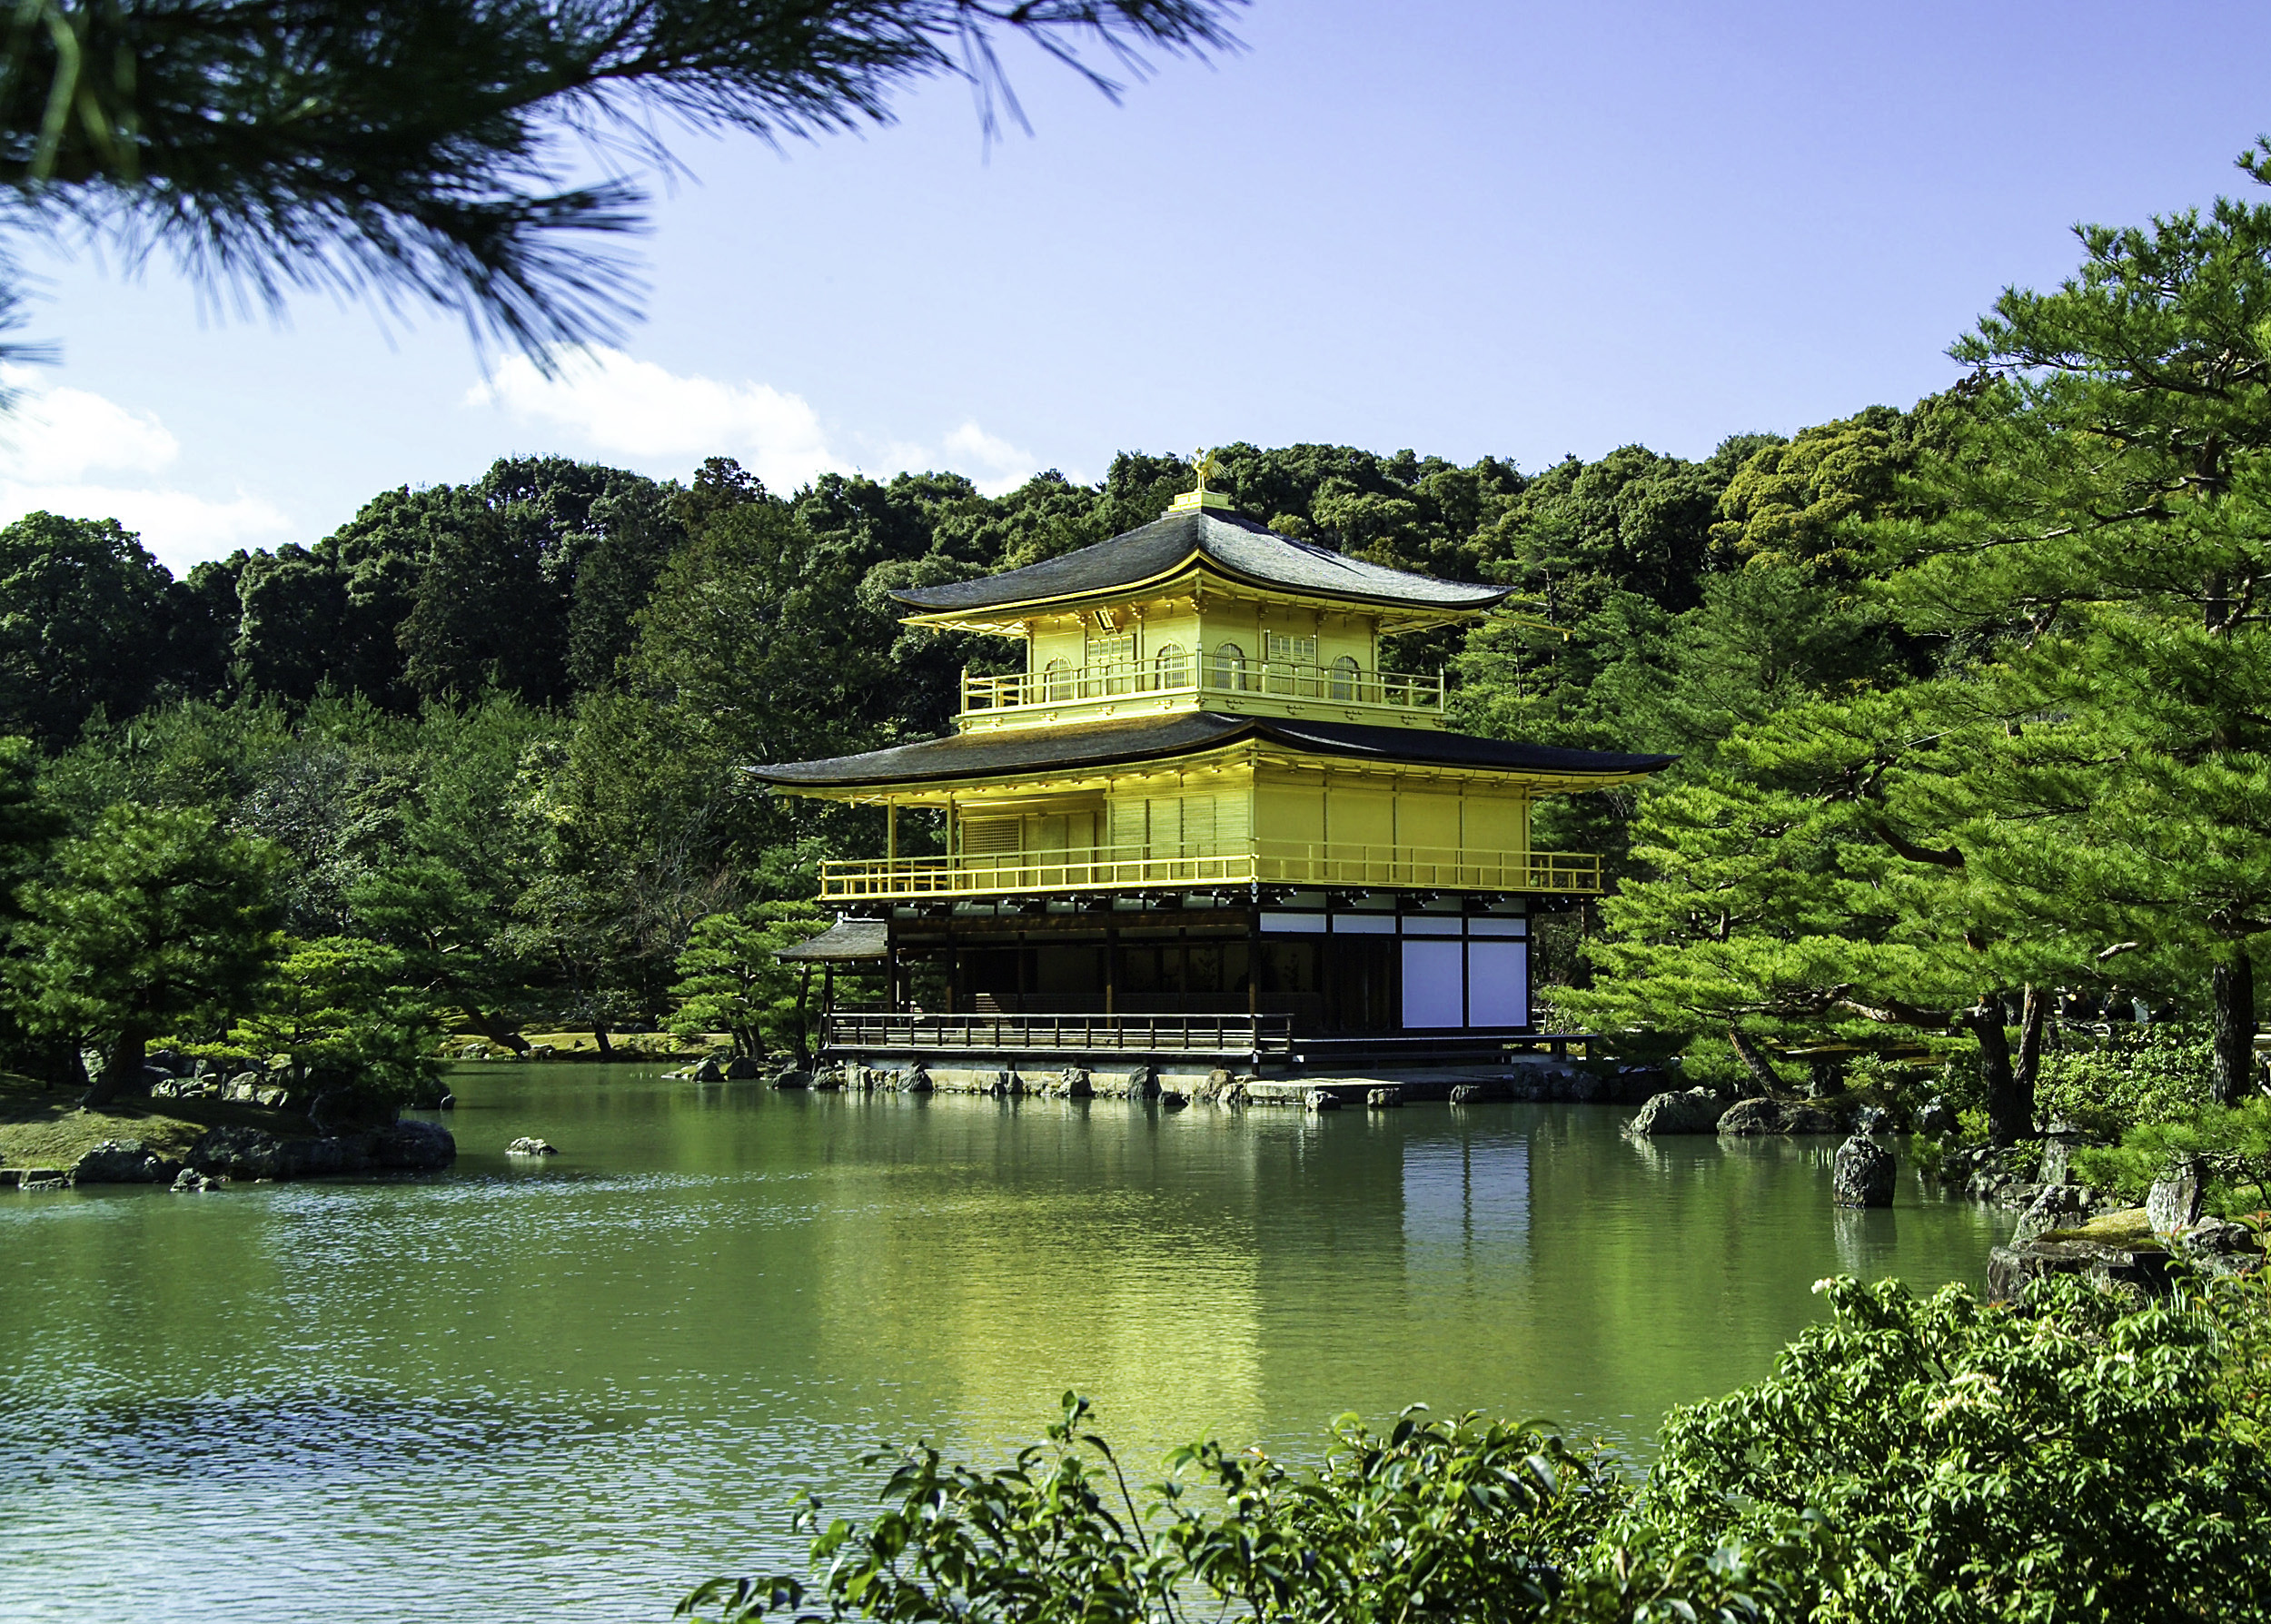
(845, 939)
(1148, 738)
(1235, 546)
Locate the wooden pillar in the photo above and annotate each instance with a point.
(827, 988)
(890, 829)
(1253, 962)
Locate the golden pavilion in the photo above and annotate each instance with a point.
(1206, 819)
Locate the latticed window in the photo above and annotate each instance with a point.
(1056, 679)
(1171, 666)
(1111, 664)
(1347, 677)
(1227, 668)
(988, 836)
(1289, 651)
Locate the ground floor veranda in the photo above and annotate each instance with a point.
(1255, 976)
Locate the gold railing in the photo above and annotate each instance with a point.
(1205, 674)
(1262, 863)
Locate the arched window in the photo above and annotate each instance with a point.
(1346, 677)
(1056, 680)
(1228, 669)
(1171, 667)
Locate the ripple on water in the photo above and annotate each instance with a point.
(575, 1389)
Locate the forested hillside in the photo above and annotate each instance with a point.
(1967, 698)
(498, 726)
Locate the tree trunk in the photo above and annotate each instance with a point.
(2006, 1123)
(1754, 1061)
(2232, 988)
(599, 1037)
(2029, 1070)
(122, 1070)
(494, 1030)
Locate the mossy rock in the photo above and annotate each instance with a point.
(2128, 1228)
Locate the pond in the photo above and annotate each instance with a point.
(577, 1387)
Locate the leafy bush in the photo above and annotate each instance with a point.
(2078, 1457)
(2232, 1142)
(2138, 1074)
(2082, 1457)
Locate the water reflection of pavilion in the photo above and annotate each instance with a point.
(1197, 1272)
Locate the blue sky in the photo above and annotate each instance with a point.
(1523, 230)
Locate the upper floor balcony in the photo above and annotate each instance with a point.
(1231, 868)
(1221, 681)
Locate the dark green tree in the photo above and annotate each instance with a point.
(2106, 529)
(153, 919)
(84, 624)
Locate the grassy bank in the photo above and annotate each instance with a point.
(42, 1126)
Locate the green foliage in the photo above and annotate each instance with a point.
(2076, 1456)
(84, 615)
(2137, 1074)
(153, 919)
(419, 149)
(1450, 1521)
(730, 982)
(2232, 1145)
(338, 1012)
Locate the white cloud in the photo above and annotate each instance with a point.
(178, 526)
(636, 409)
(56, 436)
(61, 434)
(619, 406)
(994, 465)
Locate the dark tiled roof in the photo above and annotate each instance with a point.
(845, 939)
(1237, 545)
(1147, 739)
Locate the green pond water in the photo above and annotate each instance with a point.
(572, 1389)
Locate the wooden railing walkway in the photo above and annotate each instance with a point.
(1244, 1037)
(1261, 863)
(1210, 674)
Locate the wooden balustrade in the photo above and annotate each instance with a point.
(1261, 863)
(1243, 1035)
(1326, 685)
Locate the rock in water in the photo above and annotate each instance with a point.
(710, 1071)
(2174, 1202)
(414, 1147)
(1864, 1176)
(1937, 1120)
(742, 1069)
(124, 1162)
(236, 1152)
(190, 1182)
(1378, 1098)
(1697, 1111)
(1321, 1099)
(531, 1147)
(1749, 1119)
(1873, 1120)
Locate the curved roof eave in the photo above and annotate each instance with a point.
(1098, 745)
(1241, 550)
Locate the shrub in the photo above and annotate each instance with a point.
(2232, 1142)
(2138, 1074)
(2078, 1457)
